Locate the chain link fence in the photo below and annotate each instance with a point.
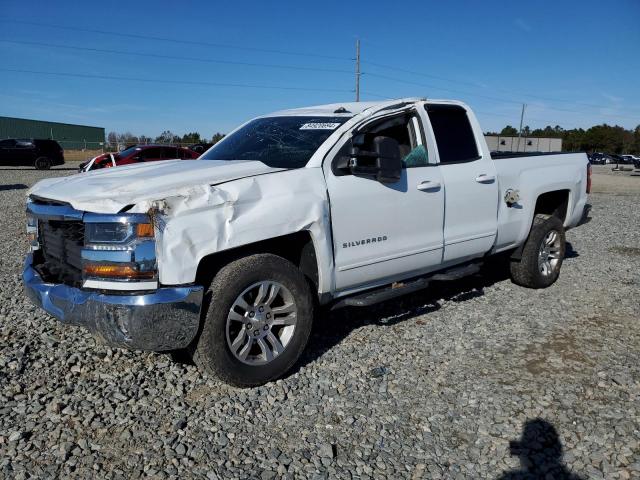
(75, 151)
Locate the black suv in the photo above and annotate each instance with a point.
(42, 154)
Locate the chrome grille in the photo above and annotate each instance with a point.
(61, 244)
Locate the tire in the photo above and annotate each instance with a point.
(43, 163)
(226, 321)
(541, 261)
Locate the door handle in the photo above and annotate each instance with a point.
(484, 178)
(429, 185)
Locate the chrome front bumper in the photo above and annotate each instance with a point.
(165, 319)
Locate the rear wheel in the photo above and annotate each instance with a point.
(542, 254)
(43, 163)
(258, 321)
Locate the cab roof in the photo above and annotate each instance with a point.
(346, 109)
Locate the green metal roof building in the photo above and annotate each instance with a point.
(69, 136)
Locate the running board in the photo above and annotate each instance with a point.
(457, 273)
(397, 289)
(388, 292)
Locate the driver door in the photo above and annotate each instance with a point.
(384, 231)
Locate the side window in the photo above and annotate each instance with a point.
(170, 153)
(405, 130)
(150, 154)
(454, 135)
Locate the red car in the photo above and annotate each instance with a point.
(137, 154)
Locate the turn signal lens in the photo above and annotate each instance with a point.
(116, 271)
(32, 232)
(144, 230)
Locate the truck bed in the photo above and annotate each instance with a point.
(504, 155)
(531, 175)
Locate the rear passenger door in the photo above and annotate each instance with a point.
(470, 183)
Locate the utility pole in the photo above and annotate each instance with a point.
(524, 105)
(358, 70)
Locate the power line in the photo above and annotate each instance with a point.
(176, 57)
(471, 84)
(358, 73)
(413, 72)
(496, 99)
(377, 95)
(176, 82)
(506, 115)
(410, 82)
(477, 112)
(275, 51)
(174, 40)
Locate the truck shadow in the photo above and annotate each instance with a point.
(13, 186)
(32, 169)
(570, 252)
(332, 327)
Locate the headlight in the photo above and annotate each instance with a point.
(116, 236)
(108, 232)
(121, 250)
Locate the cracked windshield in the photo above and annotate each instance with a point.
(281, 142)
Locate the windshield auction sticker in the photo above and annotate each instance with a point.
(319, 126)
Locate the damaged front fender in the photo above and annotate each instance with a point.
(197, 221)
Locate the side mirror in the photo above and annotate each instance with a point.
(384, 162)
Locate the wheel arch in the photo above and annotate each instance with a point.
(297, 247)
(553, 203)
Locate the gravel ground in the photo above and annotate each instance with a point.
(608, 180)
(466, 380)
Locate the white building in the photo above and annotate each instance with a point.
(499, 143)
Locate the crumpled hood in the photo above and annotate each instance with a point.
(110, 190)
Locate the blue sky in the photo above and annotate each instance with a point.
(575, 63)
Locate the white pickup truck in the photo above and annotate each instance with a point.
(227, 256)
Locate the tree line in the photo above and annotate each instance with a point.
(600, 138)
(166, 137)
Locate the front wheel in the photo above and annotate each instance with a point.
(258, 320)
(542, 254)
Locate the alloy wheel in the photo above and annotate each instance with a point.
(261, 322)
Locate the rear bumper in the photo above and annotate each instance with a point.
(165, 319)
